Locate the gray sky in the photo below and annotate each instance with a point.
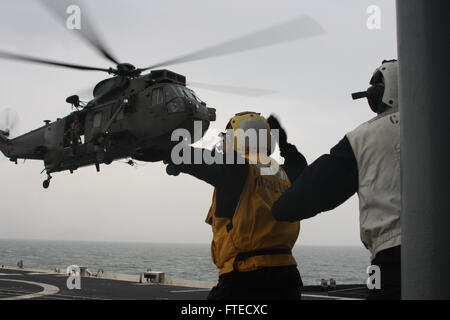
(313, 79)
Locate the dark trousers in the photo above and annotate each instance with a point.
(389, 262)
(272, 283)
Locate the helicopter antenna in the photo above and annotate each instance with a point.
(134, 163)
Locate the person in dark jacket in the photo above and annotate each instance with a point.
(367, 162)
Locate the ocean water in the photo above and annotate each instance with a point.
(347, 265)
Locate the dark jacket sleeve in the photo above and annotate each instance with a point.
(325, 184)
(228, 179)
(218, 174)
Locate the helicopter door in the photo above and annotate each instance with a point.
(97, 121)
(54, 134)
(93, 124)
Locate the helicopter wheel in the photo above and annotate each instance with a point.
(46, 183)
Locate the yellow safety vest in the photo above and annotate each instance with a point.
(253, 238)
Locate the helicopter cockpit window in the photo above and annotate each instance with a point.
(172, 92)
(157, 96)
(179, 91)
(174, 99)
(176, 105)
(189, 93)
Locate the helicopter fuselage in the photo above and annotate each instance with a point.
(127, 118)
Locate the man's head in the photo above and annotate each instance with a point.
(248, 132)
(383, 92)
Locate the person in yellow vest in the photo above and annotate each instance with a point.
(250, 248)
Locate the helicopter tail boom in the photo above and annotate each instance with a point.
(30, 145)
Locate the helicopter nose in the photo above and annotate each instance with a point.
(212, 114)
(191, 105)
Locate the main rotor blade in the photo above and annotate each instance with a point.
(59, 8)
(19, 57)
(302, 27)
(249, 92)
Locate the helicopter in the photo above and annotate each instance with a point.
(127, 117)
(131, 114)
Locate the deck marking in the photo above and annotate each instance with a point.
(190, 290)
(328, 297)
(348, 289)
(69, 297)
(48, 290)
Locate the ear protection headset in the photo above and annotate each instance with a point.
(383, 92)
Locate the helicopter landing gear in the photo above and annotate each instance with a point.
(46, 183)
(97, 166)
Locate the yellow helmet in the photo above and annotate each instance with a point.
(251, 133)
